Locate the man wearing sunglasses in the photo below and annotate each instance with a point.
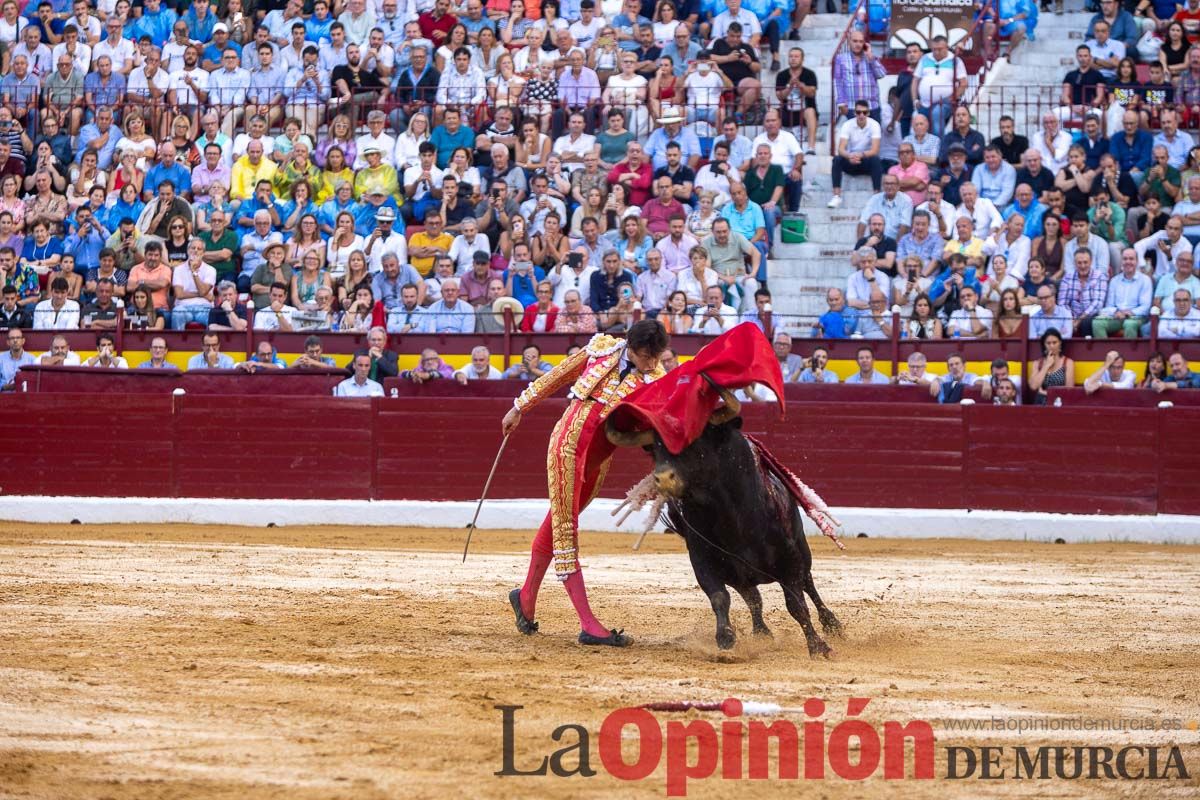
(857, 151)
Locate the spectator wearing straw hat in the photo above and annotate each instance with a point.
(672, 130)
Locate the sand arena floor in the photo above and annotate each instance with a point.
(185, 662)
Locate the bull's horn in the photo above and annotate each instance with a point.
(726, 412)
(627, 438)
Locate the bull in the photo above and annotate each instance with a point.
(741, 524)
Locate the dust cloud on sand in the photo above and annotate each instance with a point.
(193, 661)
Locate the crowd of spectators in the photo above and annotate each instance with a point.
(1087, 226)
(337, 166)
(1002, 386)
(394, 167)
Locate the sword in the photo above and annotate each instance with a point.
(486, 486)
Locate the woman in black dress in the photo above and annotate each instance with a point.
(1052, 369)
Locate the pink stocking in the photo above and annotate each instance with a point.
(539, 561)
(578, 595)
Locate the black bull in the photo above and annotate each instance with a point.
(741, 525)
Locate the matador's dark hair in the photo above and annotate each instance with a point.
(647, 336)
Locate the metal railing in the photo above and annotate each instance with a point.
(985, 45)
(1030, 103)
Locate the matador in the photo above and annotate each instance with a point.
(603, 373)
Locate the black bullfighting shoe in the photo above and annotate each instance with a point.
(615, 638)
(524, 624)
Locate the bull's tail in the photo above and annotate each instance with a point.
(814, 507)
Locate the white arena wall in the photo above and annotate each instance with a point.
(517, 514)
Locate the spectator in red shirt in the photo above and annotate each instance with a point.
(436, 24)
(1189, 16)
(540, 316)
(635, 174)
(657, 211)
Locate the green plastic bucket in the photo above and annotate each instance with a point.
(794, 230)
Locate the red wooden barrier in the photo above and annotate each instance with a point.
(1177, 460)
(1073, 459)
(86, 444)
(855, 393)
(1123, 398)
(264, 447)
(1086, 461)
(445, 450)
(858, 454)
(216, 381)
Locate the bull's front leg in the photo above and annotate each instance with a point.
(720, 606)
(719, 597)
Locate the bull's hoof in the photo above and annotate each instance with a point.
(615, 638)
(817, 648)
(764, 631)
(725, 638)
(830, 624)
(524, 624)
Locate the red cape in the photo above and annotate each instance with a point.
(677, 406)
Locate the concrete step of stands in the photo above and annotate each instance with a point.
(823, 271)
(830, 230)
(826, 22)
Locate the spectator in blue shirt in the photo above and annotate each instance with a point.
(1092, 141)
(995, 178)
(101, 136)
(522, 277)
(866, 368)
(451, 314)
(210, 355)
(950, 280)
(87, 241)
(1124, 26)
(818, 370)
(1179, 375)
(1132, 147)
(605, 282)
(317, 26)
(1025, 204)
(200, 19)
(167, 169)
(156, 22)
(263, 200)
(530, 367)
(451, 134)
(839, 320)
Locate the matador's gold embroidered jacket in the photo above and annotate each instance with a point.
(595, 371)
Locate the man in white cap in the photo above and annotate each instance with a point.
(384, 240)
(672, 130)
(213, 54)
